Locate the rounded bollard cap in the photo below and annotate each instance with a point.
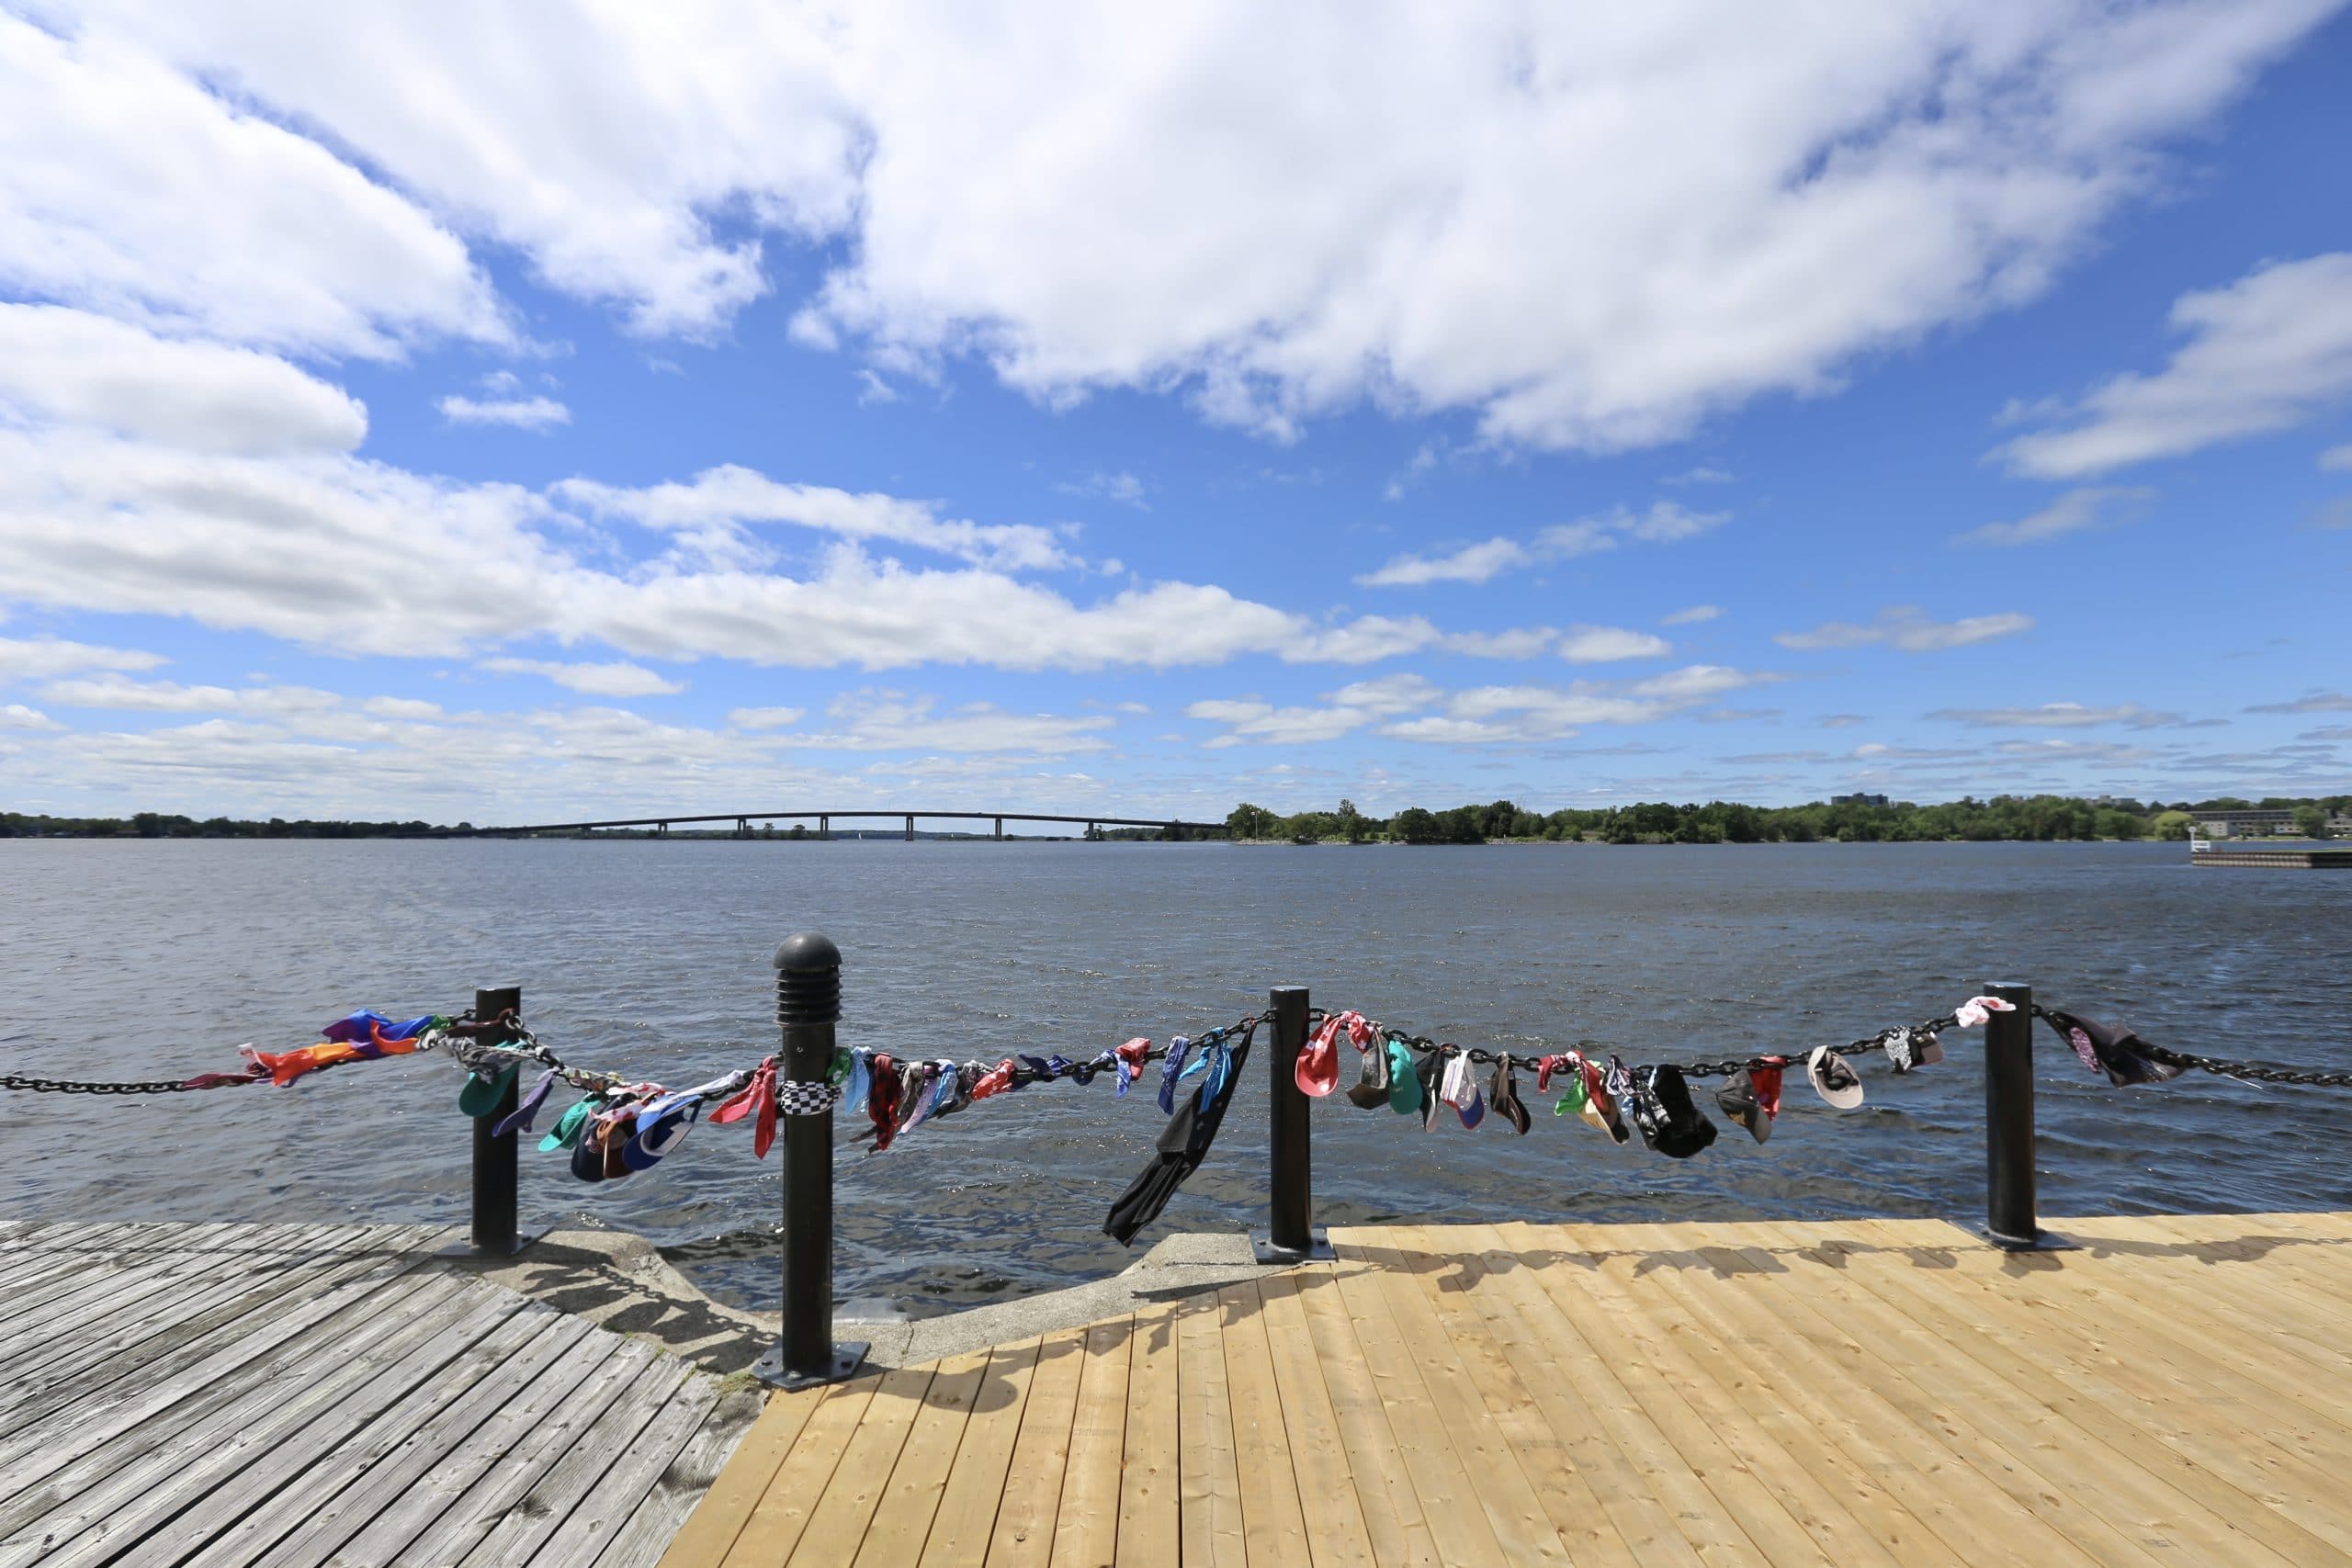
(806, 950)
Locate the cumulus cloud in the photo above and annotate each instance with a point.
(714, 511)
(2264, 353)
(1908, 627)
(40, 658)
(1605, 645)
(288, 246)
(2337, 459)
(357, 557)
(514, 413)
(118, 691)
(1037, 194)
(616, 679)
(2061, 715)
(2076, 512)
(893, 721)
(1664, 522)
(16, 716)
(68, 366)
(1123, 487)
(765, 718)
(1692, 616)
(1417, 709)
(2317, 702)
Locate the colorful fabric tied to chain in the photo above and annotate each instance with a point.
(1317, 1072)
(361, 1037)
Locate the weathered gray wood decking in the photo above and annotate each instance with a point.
(291, 1395)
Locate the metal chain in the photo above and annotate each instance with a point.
(2251, 1072)
(75, 1086)
(1723, 1068)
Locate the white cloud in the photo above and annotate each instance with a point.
(1604, 645)
(401, 707)
(1692, 616)
(2266, 352)
(2076, 512)
(2316, 702)
(16, 716)
(2061, 716)
(1418, 709)
(120, 692)
(357, 557)
(1908, 627)
(1480, 562)
(1696, 683)
(38, 658)
(890, 721)
(1665, 522)
(1123, 487)
(765, 718)
(1704, 474)
(1516, 642)
(127, 188)
(712, 513)
(617, 679)
(66, 367)
(2337, 459)
(515, 413)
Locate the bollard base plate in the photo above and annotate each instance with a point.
(463, 1249)
(2040, 1241)
(1262, 1248)
(847, 1357)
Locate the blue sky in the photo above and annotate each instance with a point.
(474, 414)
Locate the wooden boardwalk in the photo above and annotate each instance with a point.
(289, 1395)
(1879, 1392)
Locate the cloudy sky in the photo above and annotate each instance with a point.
(493, 411)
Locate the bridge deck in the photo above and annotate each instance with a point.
(1885, 1392)
(289, 1394)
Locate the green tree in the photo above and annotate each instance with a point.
(2310, 822)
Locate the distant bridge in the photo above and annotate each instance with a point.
(1173, 826)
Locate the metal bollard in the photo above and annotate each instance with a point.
(808, 1004)
(1290, 1237)
(494, 1174)
(2010, 1218)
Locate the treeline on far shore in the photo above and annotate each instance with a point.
(162, 824)
(2038, 817)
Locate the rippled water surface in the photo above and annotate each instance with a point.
(156, 959)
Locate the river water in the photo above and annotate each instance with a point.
(141, 960)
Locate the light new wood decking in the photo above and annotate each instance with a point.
(291, 1395)
(1882, 1392)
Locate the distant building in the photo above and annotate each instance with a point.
(2242, 824)
(1858, 800)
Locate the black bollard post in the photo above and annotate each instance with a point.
(1290, 1236)
(494, 1228)
(2010, 1218)
(808, 1004)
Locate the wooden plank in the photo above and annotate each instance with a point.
(1792, 1378)
(711, 1531)
(1209, 1486)
(229, 1320)
(1086, 1525)
(902, 1523)
(554, 1356)
(104, 1434)
(2234, 1473)
(594, 1521)
(229, 1526)
(467, 1490)
(1151, 1455)
(1326, 1486)
(1791, 1516)
(2132, 1510)
(1392, 1510)
(965, 1519)
(237, 1442)
(774, 1525)
(640, 1541)
(1273, 1521)
(517, 1533)
(837, 1524)
(1495, 1485)
(1032, 1488)
(1575, 1509)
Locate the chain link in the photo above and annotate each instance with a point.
(160, 1085)
(1721, 1068)
(2250, 1072)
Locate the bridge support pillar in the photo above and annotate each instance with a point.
(910, 830)
(661, 829)
(1000, 829)
(824, 827)
(743, 826)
